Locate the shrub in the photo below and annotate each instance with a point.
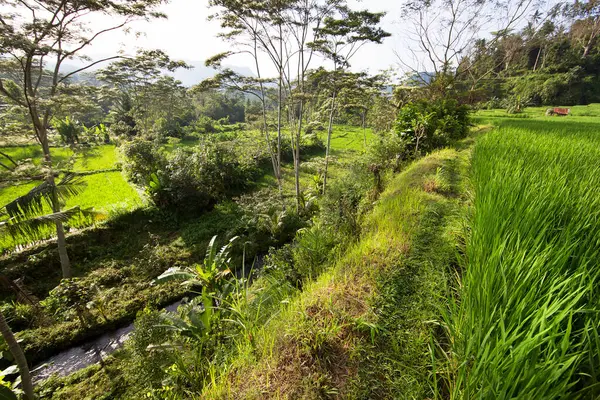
(343, 204)
(266, 221)
(312, 249)
(123, 129)
(164, 128)
(189, 179)
(314, 126)
(429, 125)
(280, 264)
(143, 159)
(304, 259)
(68, 130)
(108, 277)
(19, 316)
(70, 300)
(197, 179)
(147, 366)
(386, 153)
(203, 124)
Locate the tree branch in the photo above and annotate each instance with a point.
(67, 76)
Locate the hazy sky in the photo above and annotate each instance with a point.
(188, 35)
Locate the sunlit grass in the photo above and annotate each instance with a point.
(96, 158)
(526, 321)
(105, 192)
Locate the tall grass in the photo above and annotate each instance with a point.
(526, 322)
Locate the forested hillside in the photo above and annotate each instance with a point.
(309, 222)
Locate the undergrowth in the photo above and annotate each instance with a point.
(362, 330)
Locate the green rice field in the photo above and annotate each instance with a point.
(107, 191)
(527, 322)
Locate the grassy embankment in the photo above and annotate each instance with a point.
(361, 330)
(522, 320)
(526, 324)
(122, 256)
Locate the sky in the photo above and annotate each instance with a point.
(188, 35)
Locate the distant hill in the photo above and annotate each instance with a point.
(199, 72)
(418, 79)
(188, 77)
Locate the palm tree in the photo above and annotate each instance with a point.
(19, 356)
(25, 218)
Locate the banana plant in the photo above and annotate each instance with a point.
(212, 275)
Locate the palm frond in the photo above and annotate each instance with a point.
(34, 227)
(30, 203)
(70, 185)
(37, 228)
(33, 202)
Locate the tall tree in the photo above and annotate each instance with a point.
(276, 33)
(257, 29)
(140, 80)
(339, 39)
(586, 26)
(35, 33)
(442, 33)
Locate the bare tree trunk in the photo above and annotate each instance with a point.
(364, 127)
(19, 357)
(329, 133)
(65, 263)
(586, 50)
(280, 108)
(297, 156)
(275, 158)
(537, 59)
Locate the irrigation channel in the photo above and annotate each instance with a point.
(92, 352)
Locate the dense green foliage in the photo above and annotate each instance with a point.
(552, 60)
(529, 280)
(429, 125)
(322, 233)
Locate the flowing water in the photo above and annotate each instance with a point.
(92, 352)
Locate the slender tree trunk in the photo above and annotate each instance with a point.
(19, 357)
(280, 107)
(297, 156)
(419, 136)
(364, 127)
(275, 158)
(65, 263)
(329, 133)
(537, 59)
(586, 50)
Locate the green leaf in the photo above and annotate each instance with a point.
(13, 369)
(174, 274)
(7, 394)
